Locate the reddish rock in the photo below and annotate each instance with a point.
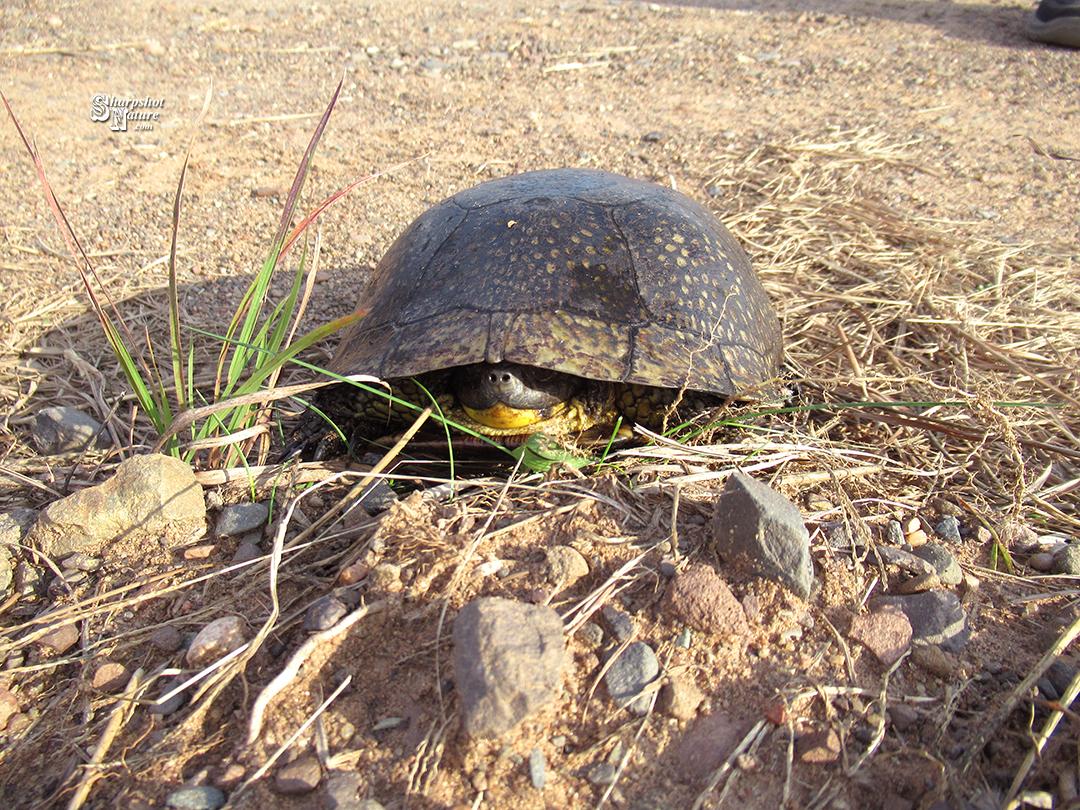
(818, 747)
(680, 698)
(60, 639)
(886, 633)
(216, 640)
(707, 744)
(110, 677)
(9, 705)
(699, 598)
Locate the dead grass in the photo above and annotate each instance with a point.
(932, 365)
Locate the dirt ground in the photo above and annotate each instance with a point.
(460, 93)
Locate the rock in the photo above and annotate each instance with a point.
(621, 623)
(894, 533)
(818, 747)
(946, 566)
(759, 529)
(635, 668)
(894, 802)
(242, 518)
(150, 495)
(217, 639)
(300, 776)
(377, 498)
(173, 703)
(196, 798)
(935, 661)
(9, 705)
(385, 578)
(591, 635)
(949, 528)
(537, 768)
(1041, 561)
(601, 773)
(167, 639)
(60, 429)
(509, 659)
(886, 633)
(342, 790)
(323, 614)
(61, 638)
(680, 698)
(936, 617)
(247, 551)
(15, 525)
(699, 598)
(707, 744)
(1067, 561)
(110, 677)
(566, 566)
(923, 582)
(903, 717)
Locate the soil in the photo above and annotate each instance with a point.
(458, 93)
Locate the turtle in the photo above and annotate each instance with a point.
(555, 301)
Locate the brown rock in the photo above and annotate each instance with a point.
(9, 705)
(886, 633)
(217, 639)
(936, 661)
(700, 599)
(707, 744)
(300, 776)
(167, 639)
(818, 747)
(110, 677)
(60, 639)
(680, 698)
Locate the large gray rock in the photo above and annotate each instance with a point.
(509, 659)
(149, 495)
(60, 429)
(757, 528)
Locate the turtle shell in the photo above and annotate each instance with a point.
(574, 270)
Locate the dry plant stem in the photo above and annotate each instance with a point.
(989, 729)
(120, 712)
(749, 740)
(632, 747)
(291, 669)
(1040, 741)
(261, 772)
(879, 732)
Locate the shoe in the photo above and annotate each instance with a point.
(1056, 22)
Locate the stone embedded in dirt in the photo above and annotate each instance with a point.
(376, 498)
(247, 551)
(241, 518)
(566, 565)
(591, 635)
(385, 578)
(61, 638)
(894, 802)
(203, 797)
(167, 639)
(1067, 561)
(936, 617)
(923, 582)
(323, 614)
(342, 790)
(680, 698)
(537, 768)
(110, 677)
(758, 528)
(903, 716)
(699, 598)
(217, 639)
(9, 705)
(621, 623)
(508, 657)
(894, 532)
(300, 776)
(936, 661)
(202, 552)
(903, 559)
(946, 566)
(149, 495)
(15, 525)
(636, 667)
(707, 743)
(60, 429)
(949, 529)
(1041, 561)
(886, 633)
(818, 747)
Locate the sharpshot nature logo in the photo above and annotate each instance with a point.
(142, 113)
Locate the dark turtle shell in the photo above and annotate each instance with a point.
(574, 270)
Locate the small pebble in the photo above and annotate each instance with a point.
(199, 552)
(196, 798)
(683, 639)
(894, 533)
(1042, 561)
(537, 768)
(60, 639)
(903, 716)
(83, 562)
(566, 566)
(352, 574)
(110, 677)
(9, 705)
(323, 614)
(602, 773)
(167, 639)
(818, 747)
(591, 635)
(343, 790)
(949, 528)
(217, 639)
(247, 551)
(300, 776)
(912, 524)
(620, 622)
(242, 518)
(917, 537)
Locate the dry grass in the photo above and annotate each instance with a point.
(932, 364)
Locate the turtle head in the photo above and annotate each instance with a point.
(509, 396)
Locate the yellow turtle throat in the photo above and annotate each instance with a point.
(502, 420)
